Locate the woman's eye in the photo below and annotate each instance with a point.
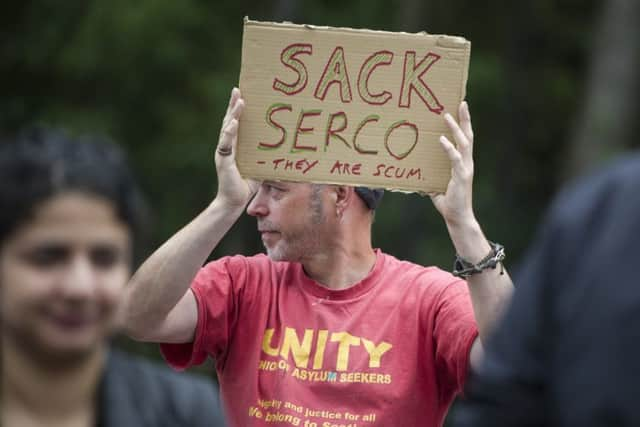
(105, 257)
(46, 256)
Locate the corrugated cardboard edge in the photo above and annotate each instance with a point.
(446, 41)
(453, 42)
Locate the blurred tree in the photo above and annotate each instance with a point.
(605, 126)
(155, 75)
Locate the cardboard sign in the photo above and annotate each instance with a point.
(359, 107)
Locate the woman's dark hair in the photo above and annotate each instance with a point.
(41, 163)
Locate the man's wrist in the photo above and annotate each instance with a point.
(463, 268)
(221, 207)
(228, 204)
(469, 240)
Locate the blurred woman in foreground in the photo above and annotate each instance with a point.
(69, 214)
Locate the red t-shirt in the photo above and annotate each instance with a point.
(391, 350)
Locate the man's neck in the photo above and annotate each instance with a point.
(340, 268)
(347, 257)
(48, 391)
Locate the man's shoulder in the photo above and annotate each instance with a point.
(405, 269)
(257, 261)
(392, 262)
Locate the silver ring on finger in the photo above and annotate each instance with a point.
(224, 151)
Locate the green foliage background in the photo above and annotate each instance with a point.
(155, 76)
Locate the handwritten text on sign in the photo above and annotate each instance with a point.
(348, 106)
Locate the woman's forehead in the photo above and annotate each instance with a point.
(74, 217)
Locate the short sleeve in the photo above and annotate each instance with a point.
(215, 288)
(454, 332)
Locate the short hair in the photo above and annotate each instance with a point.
(41, 163)
(370, 196)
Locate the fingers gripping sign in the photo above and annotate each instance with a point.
(232, 188)
(229, 130)
(455, 205)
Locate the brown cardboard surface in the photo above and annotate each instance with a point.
(339, 105)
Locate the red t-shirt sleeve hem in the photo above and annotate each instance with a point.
(182, 356)
(467, 371)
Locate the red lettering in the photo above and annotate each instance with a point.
(336, 167)
(304, 130)
(335, 72)
(371, 118)
(309, 166)
(395, 172)
(276, 163)
(392, 128)
(413, 172)
(383, 57)
(288, 165)
(289, 60)
(345, 168)
(303, 165)
(412, 81)
(334, 132)
(274, 108)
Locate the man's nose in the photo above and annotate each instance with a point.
(258, 207)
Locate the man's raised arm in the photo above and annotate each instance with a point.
(491, 288)
(158, 305)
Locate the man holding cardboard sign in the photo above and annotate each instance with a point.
(324, 330)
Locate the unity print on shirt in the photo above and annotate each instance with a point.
(317, 356)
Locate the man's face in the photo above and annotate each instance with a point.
(291, 219)
(61, 276)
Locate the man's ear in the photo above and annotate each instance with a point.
(343, 195)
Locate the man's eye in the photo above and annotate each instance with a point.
(273, 188)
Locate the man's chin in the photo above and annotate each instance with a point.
(276, 255)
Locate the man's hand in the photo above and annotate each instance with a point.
(455, 205)
(233, 190)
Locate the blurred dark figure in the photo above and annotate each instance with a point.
(70, 212)
(568, 351)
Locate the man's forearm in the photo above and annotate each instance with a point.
(491, 289)
(166, 275)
